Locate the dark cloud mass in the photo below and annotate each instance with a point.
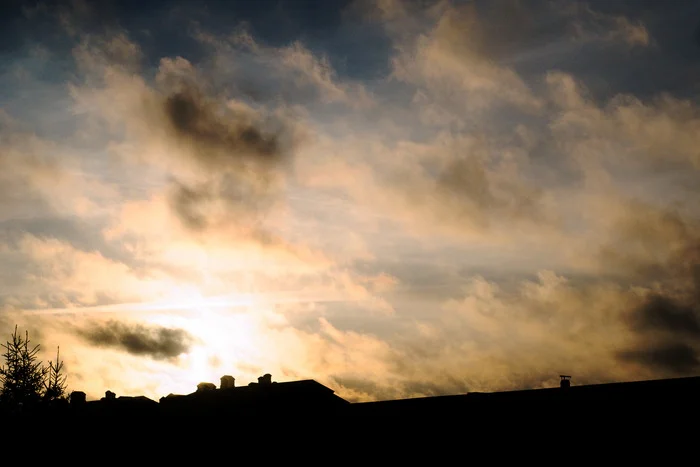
(187, 201)
(667, 323)
(222, 136)
(677, 358)
(666, 330)
(661, 313)
(137, 339)
(242, 151)
(466, 178)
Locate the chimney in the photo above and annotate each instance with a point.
(228, 382)
(110, 396)
(265, 379)
(77, 398)
(565, 381)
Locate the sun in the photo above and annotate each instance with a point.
(226, 330)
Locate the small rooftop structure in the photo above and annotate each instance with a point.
(228, 382)
(265, 379)
(201, 387)
(77, 398)
(565, 381)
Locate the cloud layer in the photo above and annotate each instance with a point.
(400, 199)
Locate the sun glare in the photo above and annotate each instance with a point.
(227, 331)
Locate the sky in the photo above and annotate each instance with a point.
(395, 198)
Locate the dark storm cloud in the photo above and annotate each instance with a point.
(667, 322)
(221, 135)
(667, 329)
(677, 358)
(137, 339)
(673, 324)
(242, 151)
(660, 313)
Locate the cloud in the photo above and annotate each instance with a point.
(452, 53)
(139, 339)
(457, 186)
(667, 322)
(679, 358)
(216, 131)
(293, 71)
(225, 159)
(112, 51)
(195, 119)
(155, 235)
(448, 61)
(186, 203)
(661, 131)
(652, 247)
(499, 336)
(54, 274)
(320, 73)
(591, 25)
(29, 170)
(471, 219)
(661, 313)
(241, 155)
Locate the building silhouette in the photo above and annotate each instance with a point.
(312, 400)
(265, 396)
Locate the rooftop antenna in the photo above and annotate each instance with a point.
(565, 381)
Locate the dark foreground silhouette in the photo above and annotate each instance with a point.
(309, 399)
